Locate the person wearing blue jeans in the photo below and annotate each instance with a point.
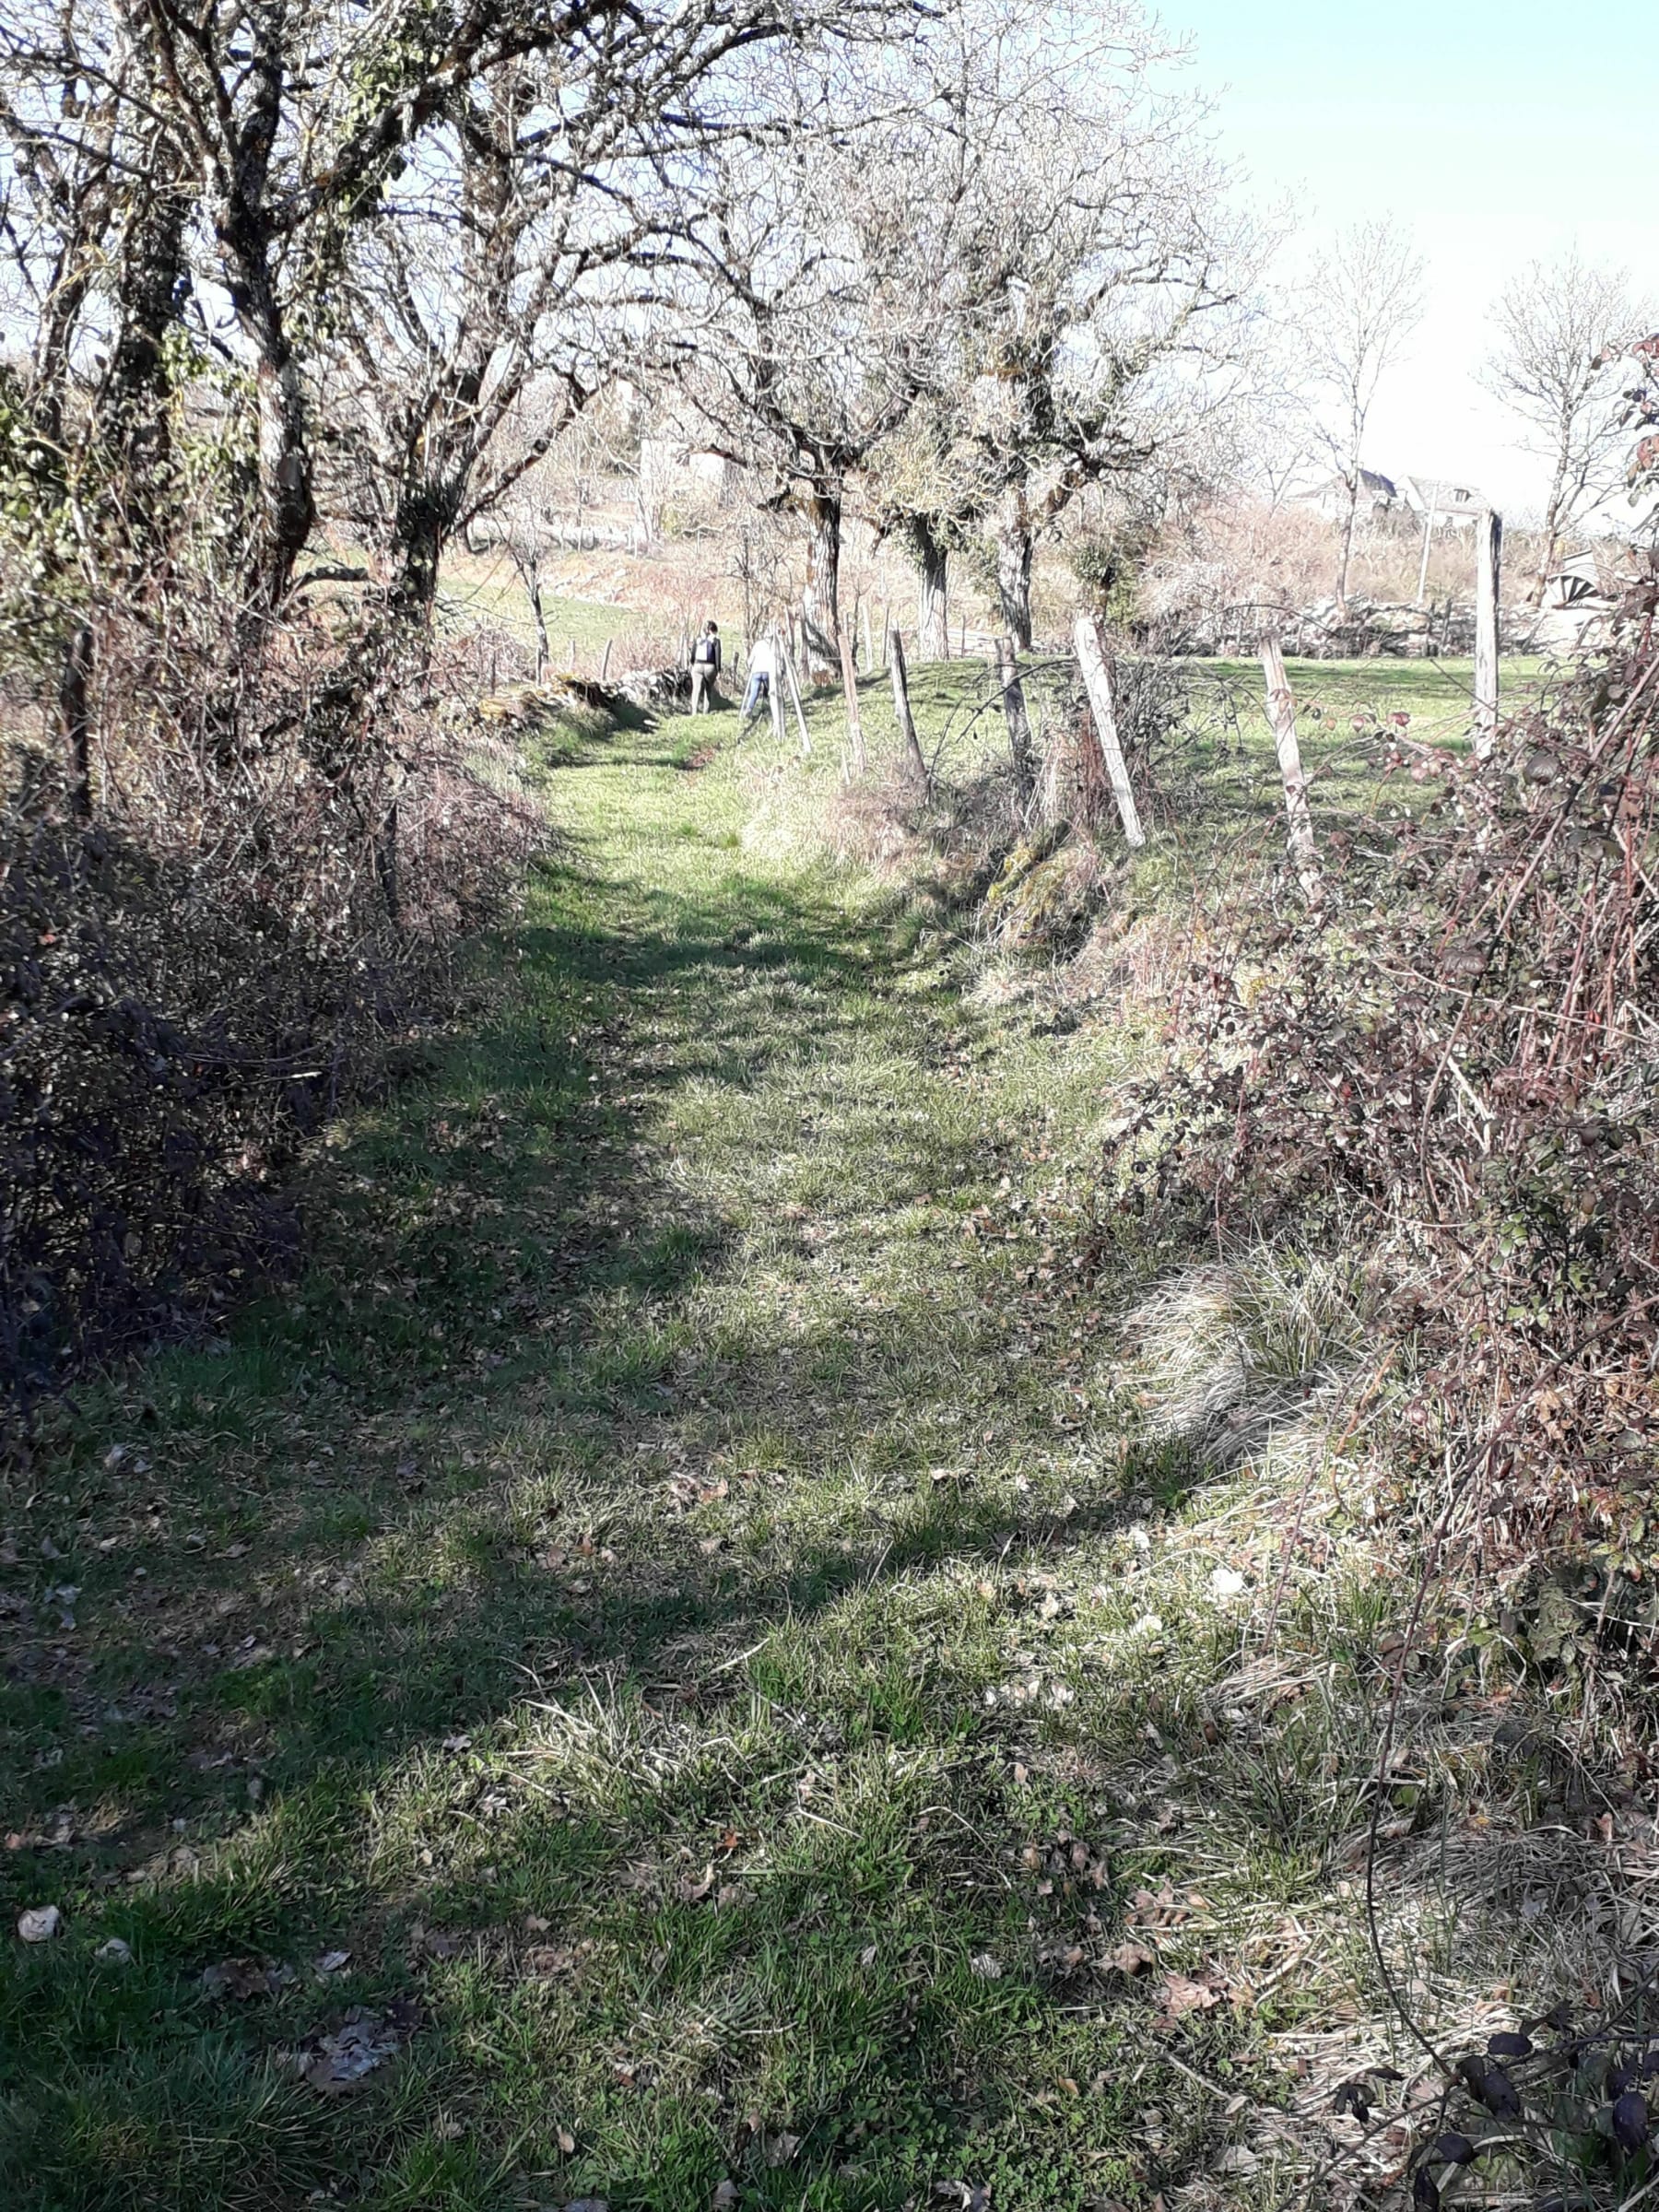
(762, 677)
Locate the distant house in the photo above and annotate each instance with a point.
(1442, 504)
(1379, 495)
(675, 464)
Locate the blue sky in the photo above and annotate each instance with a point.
(1495, 134)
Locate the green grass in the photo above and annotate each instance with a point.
(670, 1592)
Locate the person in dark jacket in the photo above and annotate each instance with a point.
(705, 670)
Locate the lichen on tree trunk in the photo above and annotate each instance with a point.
(1012, 538)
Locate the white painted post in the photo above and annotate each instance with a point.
(1489, 559)
(795, 693)
(1097, 682)
(850, 686)
(1299, 815)
(901, 708)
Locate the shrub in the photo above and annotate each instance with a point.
(195, 979)
(1457, 1055)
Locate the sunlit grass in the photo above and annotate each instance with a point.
(666, 1590)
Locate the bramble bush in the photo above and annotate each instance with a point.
(196, 977)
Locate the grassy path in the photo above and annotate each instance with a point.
(651, 1625)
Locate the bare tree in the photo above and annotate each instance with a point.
(1561, 329)
(1360, 304)
(915, 495)
(1085, 278)
(806, 327)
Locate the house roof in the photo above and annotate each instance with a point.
(1445, 496)
(1370, 482)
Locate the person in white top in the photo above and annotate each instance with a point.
(762, 677)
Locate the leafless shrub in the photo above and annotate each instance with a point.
(196, 977)
(1461, 1062)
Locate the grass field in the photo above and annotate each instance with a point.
(675, 1666)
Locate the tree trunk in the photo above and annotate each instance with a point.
(538, 615)
(1550, 536)
(77, 711)
(1018, 722)
(133, 402)
(821, 604)
(1347, 540)
(425, 516)
(932, 626)
(1014, 568)
(286, 508)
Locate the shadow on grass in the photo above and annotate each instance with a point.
(569, 1532)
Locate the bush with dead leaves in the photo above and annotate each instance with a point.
(195, 979)
(1449, 1066)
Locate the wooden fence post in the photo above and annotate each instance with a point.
(795, 693)
(1014, 714)
(1097, 682)
(901, 707)
(850, 686)
(1489, 559)
(1428, 542)
(1281, 717)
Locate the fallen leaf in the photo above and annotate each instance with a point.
(567, 2141)
(546, 1959)
(1180, 1996)
(435, 1944)
(332, 1961)
(243, 1977)
(39, 1923)
(1239, 2159)
(339, 2060)
(1130, 1958)
(988, 1968)
(691, 1888)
